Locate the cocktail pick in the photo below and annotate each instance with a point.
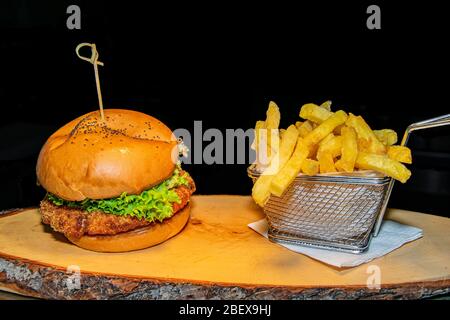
(94, 60)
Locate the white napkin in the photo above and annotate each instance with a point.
(392, 235)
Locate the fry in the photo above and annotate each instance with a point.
(288, 173)
(273, 116)
(265, 148)
(313, 151)
(338, 129)
(310, 167)
(387, 136)
(363, 144)
(304, 128)
(325, 128)
(260, 144)
(383, 164)
(282, 131)
(338, 166)
(349, 150)
(325, 140)
(331, 144)
(259, 125)
(400, 154)
(288, 143)
(367, 139)
(329, 148)
(273, 142)
(286, 148)
(326, 105)
(261, 188)
(314, 113)
(272, 123)
(326, 163)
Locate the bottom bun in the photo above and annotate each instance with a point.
(136, 239)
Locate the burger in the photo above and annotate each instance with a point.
(114, 184)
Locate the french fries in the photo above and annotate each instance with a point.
(284, 152)
(329, 148)
(326, 105)
(325, 128)
(310, 167)
(258, 130)
(331, 144)
(260, 144)
(273, 116)
(272, 123)
(261, 188)
(326, 162)
(338, 129)
(282, 131)
(314, 113)
(349, 150)
(288, 144)
(304, 128)
(383, 164)
(368, 140)
(324, 142)
(292, 168)
(387, 136)
(400, 153)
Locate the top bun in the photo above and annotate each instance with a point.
(88, 158)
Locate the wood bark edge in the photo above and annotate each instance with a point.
(41, 281)
(13, 211)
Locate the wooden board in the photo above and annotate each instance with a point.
(216, 256)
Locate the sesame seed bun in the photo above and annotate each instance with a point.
(90, 158)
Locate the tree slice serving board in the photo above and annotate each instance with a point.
(215, 257)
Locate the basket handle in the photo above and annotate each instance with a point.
(430, 123)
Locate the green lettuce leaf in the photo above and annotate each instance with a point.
(154, 204)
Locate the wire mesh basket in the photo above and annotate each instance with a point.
(329, 211)
(339, 212)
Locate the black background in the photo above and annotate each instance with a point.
(222, 62)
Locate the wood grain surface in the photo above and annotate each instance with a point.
(216, 256)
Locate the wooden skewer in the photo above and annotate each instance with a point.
(94, 60)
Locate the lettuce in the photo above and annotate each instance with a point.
(153, 204)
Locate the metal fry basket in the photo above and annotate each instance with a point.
(339, 212)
